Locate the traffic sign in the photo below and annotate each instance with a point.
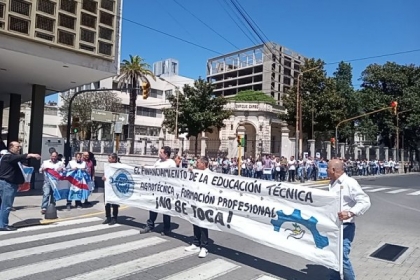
(118, 127)
(101, 116)
(123, 118)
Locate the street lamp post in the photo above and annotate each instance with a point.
(299, 134)
(177, 107)
(67, 147)
(354, 118)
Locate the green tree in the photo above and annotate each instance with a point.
(198, 110)
(253, 96)
(383, 84)
(83, 105)
(321, 103)
(343, 80)
(133, 73)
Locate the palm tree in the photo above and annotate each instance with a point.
(133, 73)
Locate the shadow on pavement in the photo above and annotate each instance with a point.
(27, 223)
(312, 272)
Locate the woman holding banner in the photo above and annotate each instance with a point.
(201, 235)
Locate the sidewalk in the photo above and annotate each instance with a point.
(27, 209)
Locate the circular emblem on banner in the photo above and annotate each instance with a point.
(122, 183)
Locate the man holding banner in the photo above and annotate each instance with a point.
(55, 165)
(11, 176)
(164, 161)
(354, 202)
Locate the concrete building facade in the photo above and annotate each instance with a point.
(49, 46)
(269, 68)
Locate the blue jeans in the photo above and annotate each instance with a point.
(7, 194)
(47, 196)
(348, 237)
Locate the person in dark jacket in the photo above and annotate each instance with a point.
(10, 177)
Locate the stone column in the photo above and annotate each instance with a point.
(292, 146)
(311, 143)
(394, 153)
(386, 151)
(203, 145)
(14, 118)
(355, 151)
(401, 158)
(342, 150)
(161, 142)
(285, 149)
(367, 150)
(328, 149)
(232, 147)
(377, 154)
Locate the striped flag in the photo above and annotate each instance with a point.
(27, 174)
(71, 185)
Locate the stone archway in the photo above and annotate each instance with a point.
(251, 145)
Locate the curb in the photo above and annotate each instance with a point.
(48, 222)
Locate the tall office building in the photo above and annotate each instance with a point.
(269, 68)
(49, 46)
(167, 67)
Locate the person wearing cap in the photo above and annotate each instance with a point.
(164, 162)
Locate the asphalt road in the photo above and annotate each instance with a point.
(85, 249)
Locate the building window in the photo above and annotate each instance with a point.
(147, 112)
(287, 72)
(46, 6)
(146, 130)
(20, 7)
(68, 6)
(155, 93)
(286, 81)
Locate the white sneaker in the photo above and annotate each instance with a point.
(203, 253)
(192, 248)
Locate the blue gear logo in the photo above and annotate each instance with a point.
(296, 218)
(122, 183)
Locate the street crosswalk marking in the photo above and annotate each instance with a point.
(135, 266)
(414, 193)
(266, 277)
(206, 271)
(38, 250)
(367, 188)
(44, 266)
(58, 224)
(48, 235)
(31, 263)
(378, 190)
(399, 191)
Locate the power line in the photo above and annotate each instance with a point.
(217, 52)
(250, 18)
(170, 35)
(208, 26)
(253, 40)
(375, 56)
(175, 19)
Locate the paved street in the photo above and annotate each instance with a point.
(84, 249)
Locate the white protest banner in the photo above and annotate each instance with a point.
(291, 218)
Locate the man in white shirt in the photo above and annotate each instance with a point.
(75, 164)
(55, 165)
(355, 202)
(164, 162)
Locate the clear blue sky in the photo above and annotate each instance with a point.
(328, 29)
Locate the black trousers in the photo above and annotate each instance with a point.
(114, 210)
(201, 236)
(152, 219)
(292, 174)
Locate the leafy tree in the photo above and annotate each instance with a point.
(83, 105)
(133, 73)
(383, 84)
(343, 80)
(319, 97)
(253, 96)
(198, 111)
